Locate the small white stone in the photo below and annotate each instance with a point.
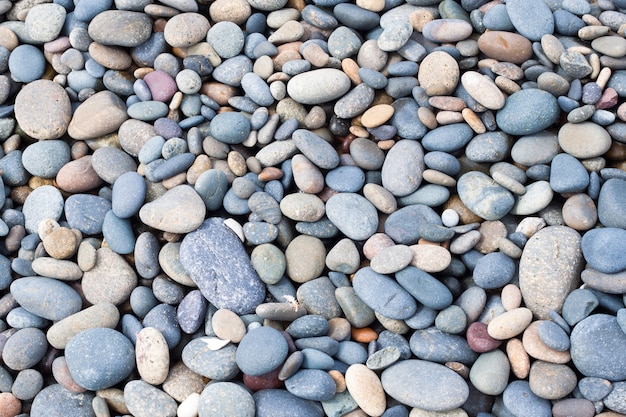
(234, 225)
(189, 407)
(450, 218)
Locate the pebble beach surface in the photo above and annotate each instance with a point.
(312, 208)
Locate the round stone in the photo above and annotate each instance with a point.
(261, 350)
(584, 140)
(42, 109)
(99, 358)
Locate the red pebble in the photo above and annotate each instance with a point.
(607, 100)
(479, 340)
(266, 381)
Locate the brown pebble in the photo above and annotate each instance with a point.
(20, 193)
(201, 164)
(518, 358)
(61, 374)
(419, 18)
(61, 243)
(115, 399)
(270, 173)
(340, 381)
(8, 38)
(473, 120)
(447, 103)
(505, 46)
(177, 179)
(427, 117)
(182, 382)
(111, 57)
(490, 232)
(14, 238)
(78, 176)
(219, 92)
(266, 381)
(376, 243)
(580, 212)
(466, 216)
(339, 329)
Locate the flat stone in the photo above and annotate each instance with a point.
(552, 261)
(203, 254)
(403, 168)
(318, 86)
(179, 210)
(425, 385)
(100, 114)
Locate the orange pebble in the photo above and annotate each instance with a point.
(364, 334)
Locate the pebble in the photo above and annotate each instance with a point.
(425, 385)
(92, 351)
(48, 98)
(556, 275)
(143, 400)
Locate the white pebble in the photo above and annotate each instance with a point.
(189, 407)
(450, 218)
(234, 225)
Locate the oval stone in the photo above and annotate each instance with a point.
(402, 169)
(527, 112)
(318, 86)
(353, 215)
(46, 297)
(397, 303)
(549, 268)
(425, 385)
(584, 140)
(483, 196)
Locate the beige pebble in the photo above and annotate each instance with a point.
(438, 73)
(419, 18)
(359, 131)
(177, 179)
(509, 183)
(314, 53)
(483, 89)
(430, 258)
(455, 412)
(201, 164)
(528, 226)
(114, 398)
(371, 5)
(393, 325)
(603, 77)
(509, 248)
(8, 38)
(351, 69)
(437, 177)
(10, 406)
(366, 389)
(589, 33)
(377, 115)
(518, 358)
(236, 11)
(446, 117)
(511, 297)
(181, 382)
(551, 381)
(237, 163)
(153, 356)
(510, 323)
(464, 242)
(459, 368)
(291, 31)
(427, 117)
(490, 231)
(473, 120)
(380, 197)
(535, 347)
(228, 326)
(385, 145)
(580, 212)
(507, 85)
